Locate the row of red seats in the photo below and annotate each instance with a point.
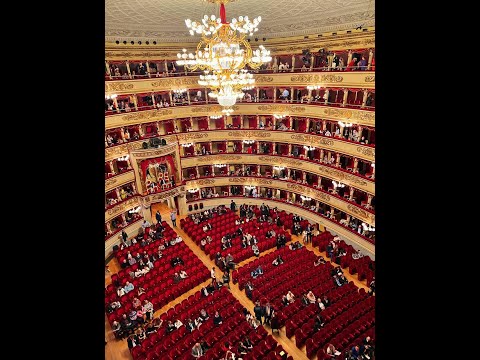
(364, 266)
(265, 261)
(354, 308)
(234, 328)
(299, 315)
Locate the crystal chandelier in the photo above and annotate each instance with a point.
(223, 53)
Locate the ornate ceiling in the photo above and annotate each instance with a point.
(164, 20)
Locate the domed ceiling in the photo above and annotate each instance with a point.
(164, 20)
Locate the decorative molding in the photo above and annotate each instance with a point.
(221, 158)
(212, 108)
(161, 151)
(263, 79)
(366, 151)
(358, 212)
(118, 180)
(143, 115)
(312, 139)
(370, 78)
(111, 181)
(331, 78)
(282, 108)
(186, 137)
(120, 150)
(317, 78)
(280, 161)
(176, 81)
(118, 86)
(342, 176)
(253, 181)
(249, 134)
(121, 208)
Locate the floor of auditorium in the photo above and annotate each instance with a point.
(118, 350)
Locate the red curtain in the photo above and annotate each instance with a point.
(168, 126)
(202, 123)
(220, 123)
(252, 122)
(237, 121)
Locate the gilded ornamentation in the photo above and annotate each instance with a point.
(180, 81)
(204, 182)
(213, 108)
(305, 78)
(295, 187)
(111, 181)
(249, 133)
(312, 139)
(135, 55)
(343, 113)
(331, 78)
(366, 151)
(164, 150)
(254, 181)
(370, 78)
(120, 208)
(186, 137)
(263, 79)
(221, 158)
(357, 211)
(123, 149)
(282, 108)
(118, 86)
(280, 161)
(321, 195)
(143, 115)
(367, 116)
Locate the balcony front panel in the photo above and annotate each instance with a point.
(330, 144)
(289, 137)
(345, 177)
(354, 116)
(118, 180)
(122, 207)
(345, 79)
(330, 225)
(322, 196)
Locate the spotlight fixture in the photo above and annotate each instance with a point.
(147, 42)
(248, 40)
(256, 39)
(139, 43)
(359, 27)
(264, 39)
(117, 42)
(124, 42)
(154, 43)
(132, 42)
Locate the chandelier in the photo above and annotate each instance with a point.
(192, 191)
(219, 165)
(112, 96)
(313, 87)
(278, 167)
(309, 148)
(305, 198)
(279, 116)
(180, 91)
(342, 124)
(187, 145)
(338, 184)
(223, 53)
(215, 116)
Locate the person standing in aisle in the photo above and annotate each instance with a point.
(173, 217)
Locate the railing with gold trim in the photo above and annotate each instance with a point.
(366, 244)
(119, 180)
(344, 79)
(351, 148)
(325, 197)
(313, 167)
(122, 207)
(354, 116)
